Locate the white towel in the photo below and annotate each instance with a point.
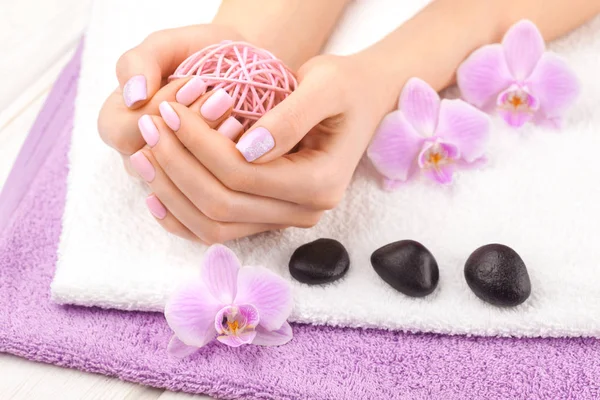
(540, 195)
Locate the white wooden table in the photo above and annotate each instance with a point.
(37, 39)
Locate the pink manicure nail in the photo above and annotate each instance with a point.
(149, 130)
(216, 105)
(156, 207)
(231, 128)
(135, 90)
(169, 115)
(142, 166)
(255, 143)
(190, 92)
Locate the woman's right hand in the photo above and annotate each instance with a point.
(142, 71)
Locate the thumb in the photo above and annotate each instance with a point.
(283, 127)
(142, 70)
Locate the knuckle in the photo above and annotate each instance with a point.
(213, 234)
(327, 201)
(327, 192)
(125, 146)
(106, 131)
(294, 117)
(128, 168)
(125, 59)
(174, 229)
(310, 220)
(167, 161)
(332, 71)
(219, 210)
(115, 131)
(237, 179)
(188, 138)
(155, 37)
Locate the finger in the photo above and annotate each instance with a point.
(117, 124)
(128, 168)
(297, 178)
(183, 210)
(283, 127)
(209, 195)
(167, 220)
(141, 70)
(215, 108)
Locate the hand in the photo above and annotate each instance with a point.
(146, 67)
(210, 191)
(188, 200)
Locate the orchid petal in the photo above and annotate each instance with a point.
(391, 184)
(516, 119)
(420, 105)
(237, 340)
(219, 272)
(395, 147)
(443, 174)
(250, 315)
(464, 126)
(483, 75)
(268, 292)
(475, 164)
(273, 338)
(548, 122)
(178, 349)
(451, 150)
(190, 312)
(422, 157)
(523, 47)
(554, 84)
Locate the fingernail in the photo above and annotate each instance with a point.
(169, 115)
(231, 128)
(216, 105)
(255, 143)
(142, 166)
(148, 129)
(135, 90)
(156, 207)
(190, 92)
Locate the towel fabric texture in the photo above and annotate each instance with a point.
(320, 363)
(536, 196)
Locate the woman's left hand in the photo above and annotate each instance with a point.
(216, 190)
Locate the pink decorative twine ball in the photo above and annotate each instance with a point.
(255, 79)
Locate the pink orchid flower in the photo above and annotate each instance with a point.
(519, 79)
(234, 304)
(429, 135)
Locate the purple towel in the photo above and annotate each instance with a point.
(320, 363)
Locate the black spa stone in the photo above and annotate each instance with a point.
(318, 262)
(497, 275)
(408, 267)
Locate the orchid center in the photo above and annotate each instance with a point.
(517, 105)
(233, 322)
(236, 324)
(437, 159)
(435, 155)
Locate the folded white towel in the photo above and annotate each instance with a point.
(540, 195)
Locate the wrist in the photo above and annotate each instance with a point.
(293, 30)
(430, 46)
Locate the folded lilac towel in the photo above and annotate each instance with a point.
(320, 363)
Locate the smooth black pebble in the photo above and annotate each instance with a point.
(318, 262)
(497, 274)
(408, 267)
